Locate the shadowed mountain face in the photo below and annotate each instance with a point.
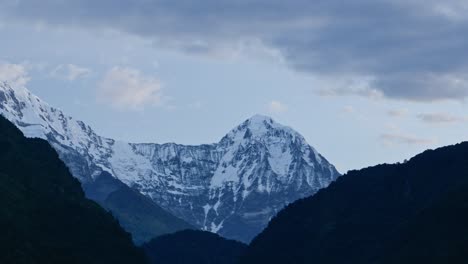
(193, 247)
(414, 212)
(232, 187)
(44, 216)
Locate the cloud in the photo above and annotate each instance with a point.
(348, 86)
(348, 109)
(15, 74)
(394, 136)
(441, 118)
(454, 10)
(128, 88)
(400, 138)
(411, 50)
(69, 72)
(277, 107)
(195, 105)
(397, 112)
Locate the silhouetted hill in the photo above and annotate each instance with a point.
(415, 212)
(44, 216)
(193, 247)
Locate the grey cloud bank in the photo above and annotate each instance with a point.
(411, 50)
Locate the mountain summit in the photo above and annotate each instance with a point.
(233, 187)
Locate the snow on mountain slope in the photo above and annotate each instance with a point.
(68, 136)
(232, 187)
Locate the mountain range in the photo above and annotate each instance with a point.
(233, 187)
(261, 172)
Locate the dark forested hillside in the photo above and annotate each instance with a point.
(137, 214)
(415, 212)
(193, 247)
(437, 234)
(44, 216)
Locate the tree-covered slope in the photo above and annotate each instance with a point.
(437, 234)
(137, 214)
(44, 216)
(193, 247)
(415, 212)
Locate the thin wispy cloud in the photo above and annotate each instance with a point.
(277, 107)
(348, 86)
(195, 105)
(348, 109)
(397, 138)
(394, 136)
(441, 118)
(402, 112)
(69, 72)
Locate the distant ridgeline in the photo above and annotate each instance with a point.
(44, 216)
(415, 212)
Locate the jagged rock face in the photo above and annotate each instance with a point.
(232, 187)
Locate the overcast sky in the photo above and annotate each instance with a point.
(365, 81)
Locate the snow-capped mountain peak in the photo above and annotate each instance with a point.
(260, 141)
(232, 187)
(257, 127)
